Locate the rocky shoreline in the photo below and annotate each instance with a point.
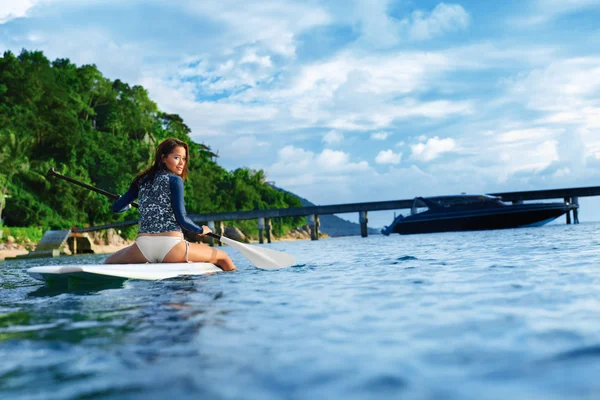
(11, 250)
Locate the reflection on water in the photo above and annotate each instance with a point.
(82, 290)
(495, 315)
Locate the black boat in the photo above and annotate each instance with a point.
(472, 213)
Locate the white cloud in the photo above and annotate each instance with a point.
(444, 18)
(388, 157)
(382, 135)
(562, 172)
(568, 78)
(229, 70)
(332, 137)
(396, 72)
(291, 154)
(503, 160)
(530, 159)
(543, 11)
(10, 9)
(588, 116)
(526, 135)
(377, 29)
(500, 54)
(252, 58)
(115, 57)
(333, 160)
(271, 24)
(565, 93)
(246, 145)
(206, 118)
(354, 91)
(432, 149)
(297, 167)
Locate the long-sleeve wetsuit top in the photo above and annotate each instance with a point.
(162, 208)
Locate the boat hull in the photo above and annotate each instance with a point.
(510, 216)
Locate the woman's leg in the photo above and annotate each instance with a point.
(199, 252)
(128, 255)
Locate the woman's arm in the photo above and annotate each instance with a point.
(178, 204)
(123, 203)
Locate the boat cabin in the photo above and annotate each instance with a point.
(458, 202)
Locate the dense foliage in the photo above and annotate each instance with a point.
(103, 132)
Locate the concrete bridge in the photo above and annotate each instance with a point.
(215, 220)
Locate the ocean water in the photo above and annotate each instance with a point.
(473, 315)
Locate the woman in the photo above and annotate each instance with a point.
(162, 214)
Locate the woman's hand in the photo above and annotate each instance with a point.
(205, 230)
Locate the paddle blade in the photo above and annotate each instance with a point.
(261, 257)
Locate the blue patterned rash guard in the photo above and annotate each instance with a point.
(162, 208)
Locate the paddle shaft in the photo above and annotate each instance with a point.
(113, 196)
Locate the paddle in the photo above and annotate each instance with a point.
(260, 257)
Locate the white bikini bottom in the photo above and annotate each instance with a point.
(155, 248)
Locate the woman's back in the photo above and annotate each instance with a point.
(156, 207)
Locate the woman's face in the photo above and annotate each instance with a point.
(176, 160)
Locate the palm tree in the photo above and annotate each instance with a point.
(258, 177)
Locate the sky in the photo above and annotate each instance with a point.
(355, 100)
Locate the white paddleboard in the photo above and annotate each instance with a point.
(102, 272)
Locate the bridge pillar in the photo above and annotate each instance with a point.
(261, 228)
(568, 201)
(363, 219)
(220, 231)
(211, 225)
(268, 229)
(313, 223)
(576, 210)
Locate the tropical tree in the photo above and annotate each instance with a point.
(14, 159)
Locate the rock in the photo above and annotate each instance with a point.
(108, 237)
(301, 233)
(234, 233)
(10, 239)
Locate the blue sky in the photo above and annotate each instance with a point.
(350, 101)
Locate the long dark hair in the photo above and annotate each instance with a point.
(164, 149)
